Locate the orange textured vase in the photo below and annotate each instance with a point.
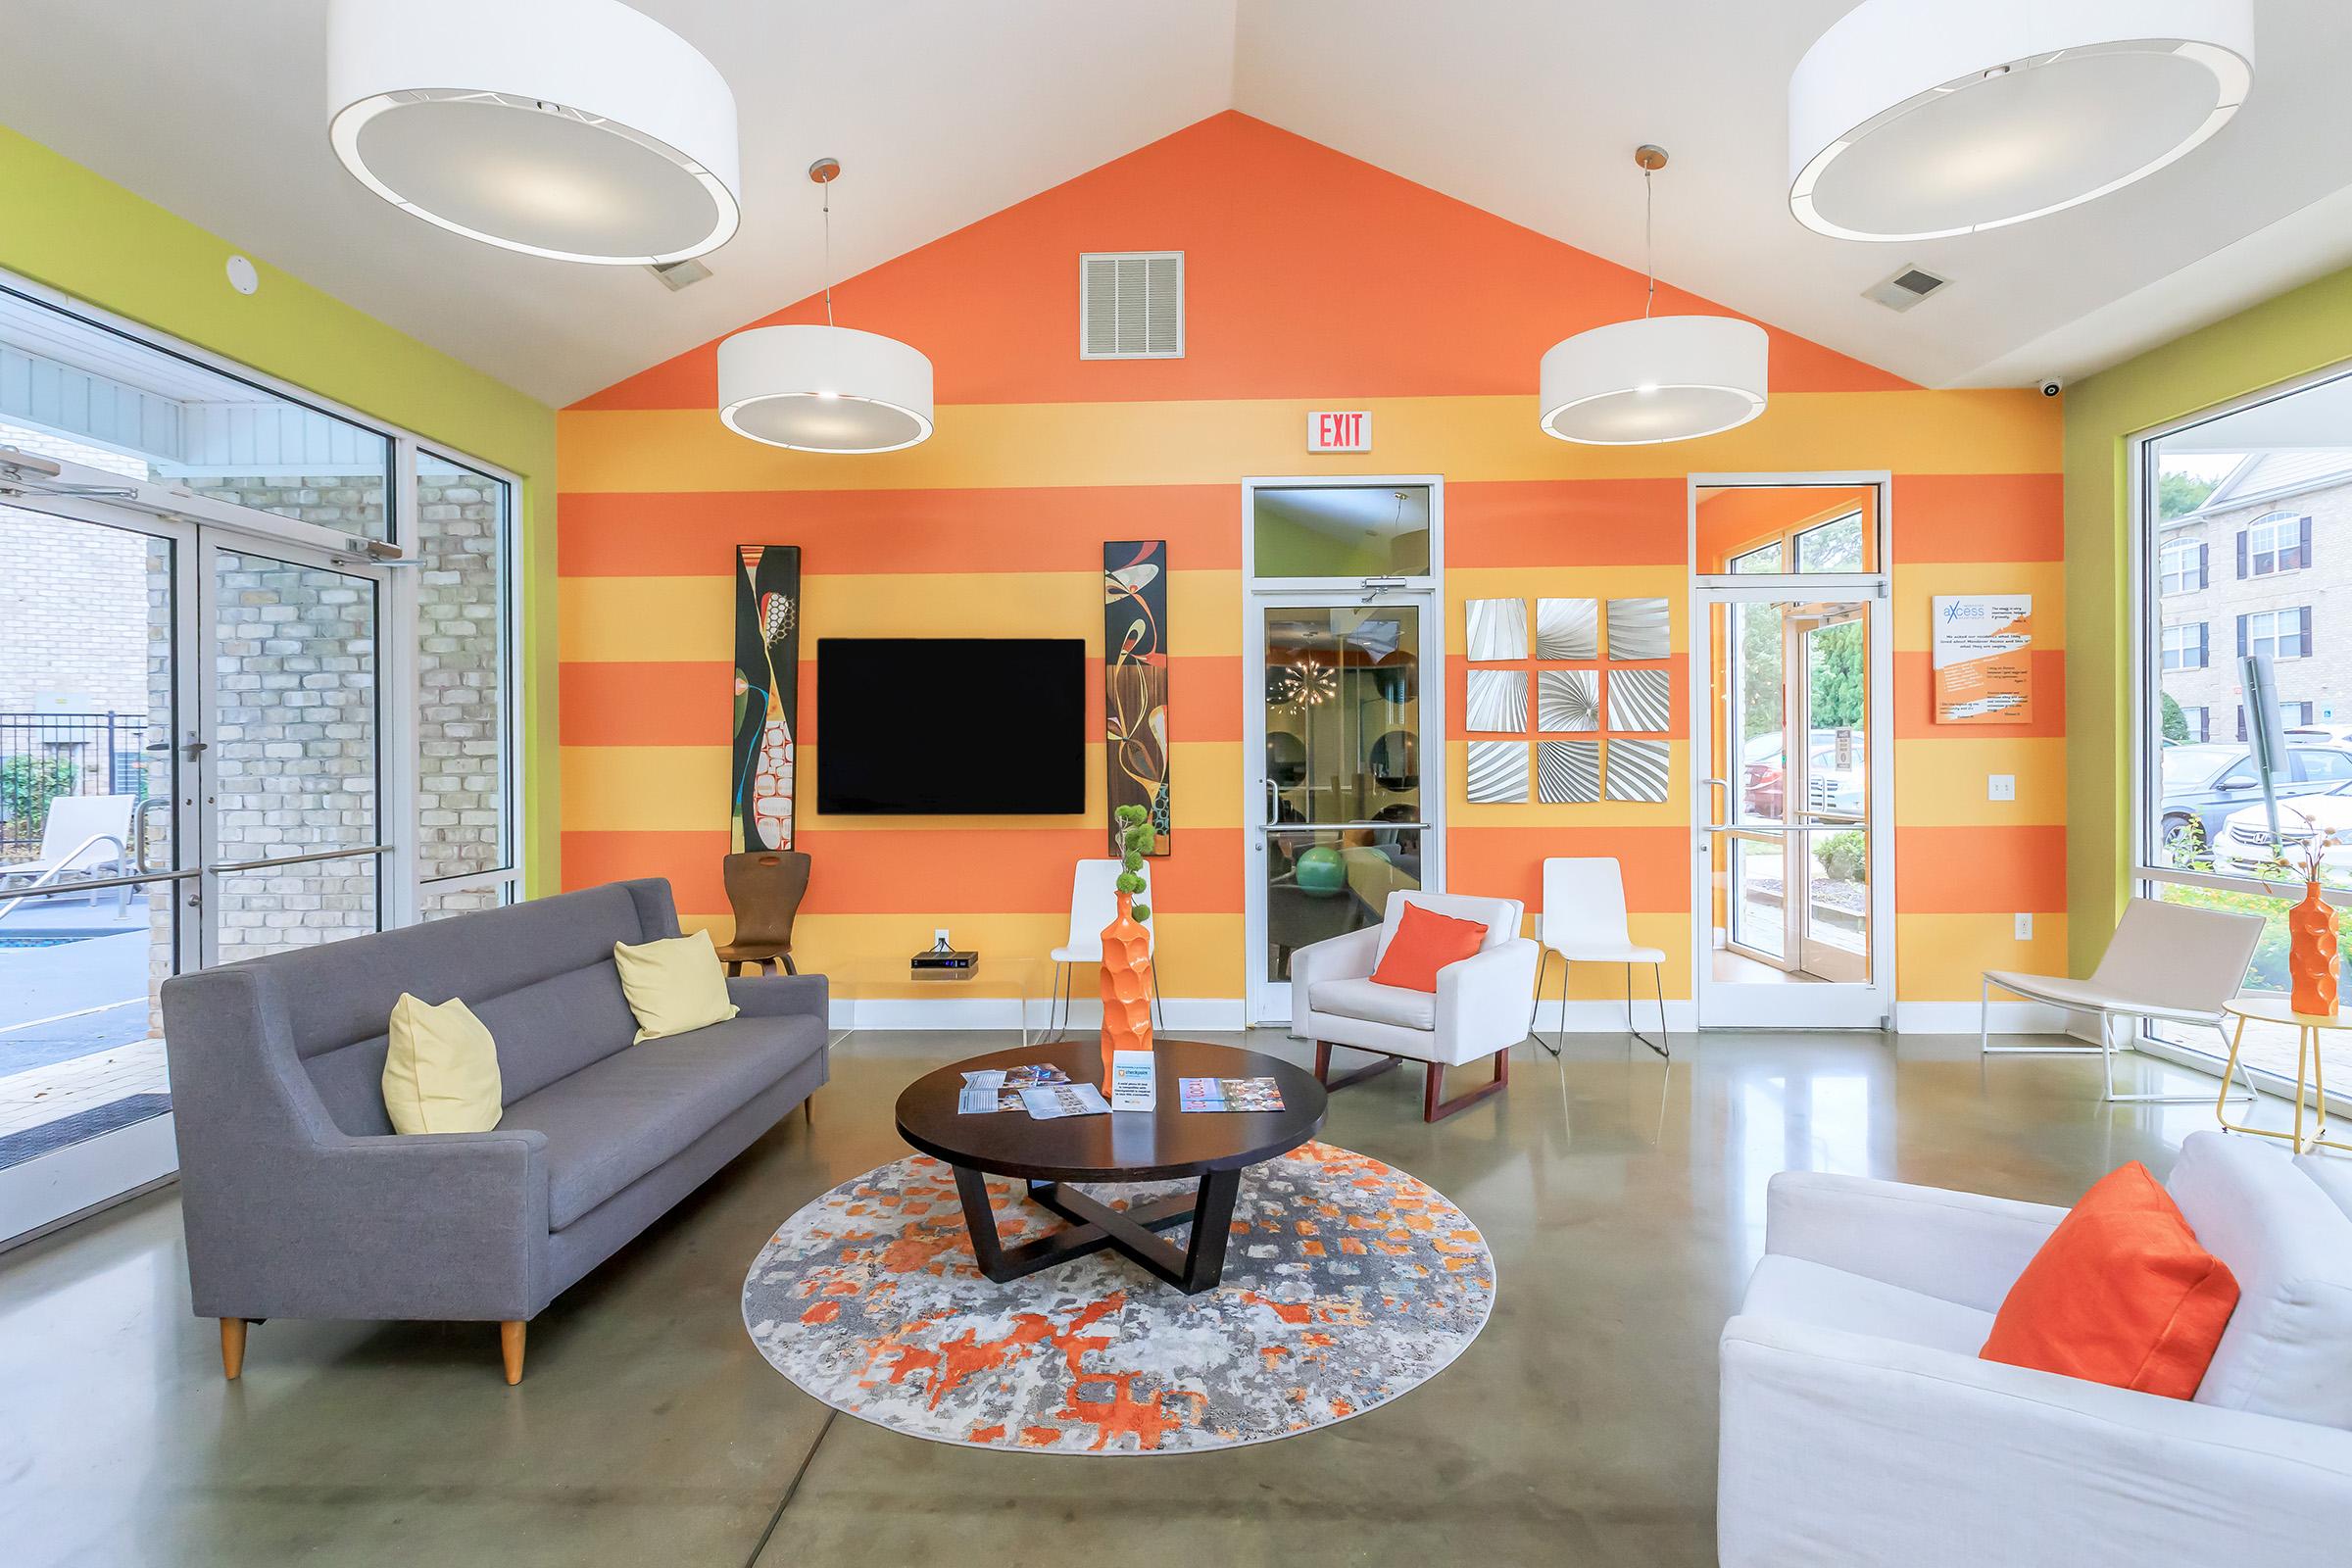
(1126, 986)
(2310, 955)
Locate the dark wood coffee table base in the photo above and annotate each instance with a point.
(1095, 1226)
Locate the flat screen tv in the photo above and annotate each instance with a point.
(931, 727)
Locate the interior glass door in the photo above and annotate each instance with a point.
(1339, 791)
(292, 765)
(1791, 860)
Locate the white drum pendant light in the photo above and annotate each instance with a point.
(1658, 379)
(576, 129)
(1916, 119)
(824, 388)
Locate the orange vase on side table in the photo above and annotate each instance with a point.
(2310, 955)
(1126, 986)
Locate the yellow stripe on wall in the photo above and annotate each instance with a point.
(1198, 955)
(1006, 445)
(1941, 783)
(1942, 958)
(663, 620)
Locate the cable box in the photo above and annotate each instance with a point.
(933, 961)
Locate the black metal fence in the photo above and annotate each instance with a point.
(43, 756)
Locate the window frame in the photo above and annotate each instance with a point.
(402, 885)
(2296, 525)
(2142, 574)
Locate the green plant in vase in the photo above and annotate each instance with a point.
(1127, 947)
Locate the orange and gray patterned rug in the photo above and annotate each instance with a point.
(1346, 1283)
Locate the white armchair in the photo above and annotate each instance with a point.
(1478, 1008)
(1860, 1428)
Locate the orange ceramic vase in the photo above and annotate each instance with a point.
(1126, 986)
(2310, 955)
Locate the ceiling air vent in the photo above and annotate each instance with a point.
(1905, 288)
(1131, 305)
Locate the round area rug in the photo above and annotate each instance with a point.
(1346, 1283)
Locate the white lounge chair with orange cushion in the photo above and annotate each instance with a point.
(2168, 962)
(1478, 1008)
(1860, 1427)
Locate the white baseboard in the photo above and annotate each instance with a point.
(1202, 1015)
(1223, 1015)
(1960, 1019)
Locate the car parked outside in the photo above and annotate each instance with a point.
(2243, 846)
(2205, 783)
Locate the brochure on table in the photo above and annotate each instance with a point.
(1230, 1094)
(1134, 1081)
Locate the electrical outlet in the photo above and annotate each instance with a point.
(2025, 928)
(939, 938)
(2000, 786)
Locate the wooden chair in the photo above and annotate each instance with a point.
(765, 886)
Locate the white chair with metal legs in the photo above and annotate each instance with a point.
(2167, 961)
(1094, 904)
(1584, 921)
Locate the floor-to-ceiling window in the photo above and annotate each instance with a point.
(256, 691)
(2243, 522)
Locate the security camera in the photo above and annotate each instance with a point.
(2051, 387)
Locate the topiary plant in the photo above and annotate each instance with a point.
(1135, 838)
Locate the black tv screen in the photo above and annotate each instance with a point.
(922, 726)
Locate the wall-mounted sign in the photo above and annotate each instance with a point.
(1982, 656)
(1339, 431)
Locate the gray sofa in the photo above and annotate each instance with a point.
(301, 1202)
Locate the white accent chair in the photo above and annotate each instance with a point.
(1094, 904)
(1478, 1008)
(1584, 921)
(84, 838)
(1859, 1428)
(2166, 961)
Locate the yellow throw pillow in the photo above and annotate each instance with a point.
(441, 1072)
(674, 985)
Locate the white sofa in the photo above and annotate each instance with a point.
(1479, 1007)
(1860, 1428)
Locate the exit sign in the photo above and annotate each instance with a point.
(1344, 431)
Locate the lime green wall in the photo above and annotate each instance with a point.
(2294, 334)
(65, 227)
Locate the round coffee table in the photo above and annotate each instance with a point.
(1125, 1146)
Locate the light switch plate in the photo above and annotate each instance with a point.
(2000, 786)
(2025, 928)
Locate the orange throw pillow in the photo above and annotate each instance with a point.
(2121, 1294)
(1425, 943)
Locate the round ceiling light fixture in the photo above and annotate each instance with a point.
(580, 130)
(1658, 379)
(824, 388)
(1916, 119)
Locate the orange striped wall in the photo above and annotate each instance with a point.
(1317, 281)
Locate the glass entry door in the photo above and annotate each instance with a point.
(1790, 823)
(191, 745)
(1341, 794)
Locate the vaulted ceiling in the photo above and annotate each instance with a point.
(943, 112)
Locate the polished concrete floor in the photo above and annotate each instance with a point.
(1623, 1197)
